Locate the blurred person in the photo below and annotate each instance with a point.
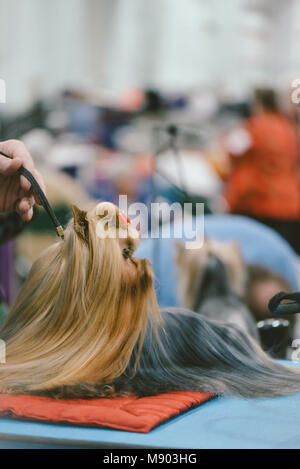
(264, 182)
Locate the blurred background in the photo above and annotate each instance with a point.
(166, 100)
(112, 46)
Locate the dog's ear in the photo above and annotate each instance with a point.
(80, 222)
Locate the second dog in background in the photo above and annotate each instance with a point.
(212, 283)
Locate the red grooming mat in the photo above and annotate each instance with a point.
(122, 413)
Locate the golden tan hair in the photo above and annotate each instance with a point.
(82, 309)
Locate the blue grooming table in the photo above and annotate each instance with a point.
(220, 423)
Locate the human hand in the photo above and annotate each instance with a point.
(16, 192)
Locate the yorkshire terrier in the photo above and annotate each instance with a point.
(215, 282)
(212, 281)
(86, 324)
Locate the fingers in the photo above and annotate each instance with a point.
(17, 150)
(24, 208)
(9, 167)
(28, 215)
(20, 157)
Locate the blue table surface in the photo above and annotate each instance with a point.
(220, 423)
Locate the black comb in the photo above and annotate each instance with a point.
(44, 201)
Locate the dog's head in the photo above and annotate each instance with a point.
(106, 240)
(85, 305)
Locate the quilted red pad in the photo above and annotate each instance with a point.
(122, 413)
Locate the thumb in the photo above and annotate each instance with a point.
(8, 167)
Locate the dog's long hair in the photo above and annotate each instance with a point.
(81, 310)
(86, 324)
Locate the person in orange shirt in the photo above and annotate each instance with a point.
(264, 182)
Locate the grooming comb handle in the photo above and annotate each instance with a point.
(44, 201)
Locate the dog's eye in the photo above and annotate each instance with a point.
(126, 253)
